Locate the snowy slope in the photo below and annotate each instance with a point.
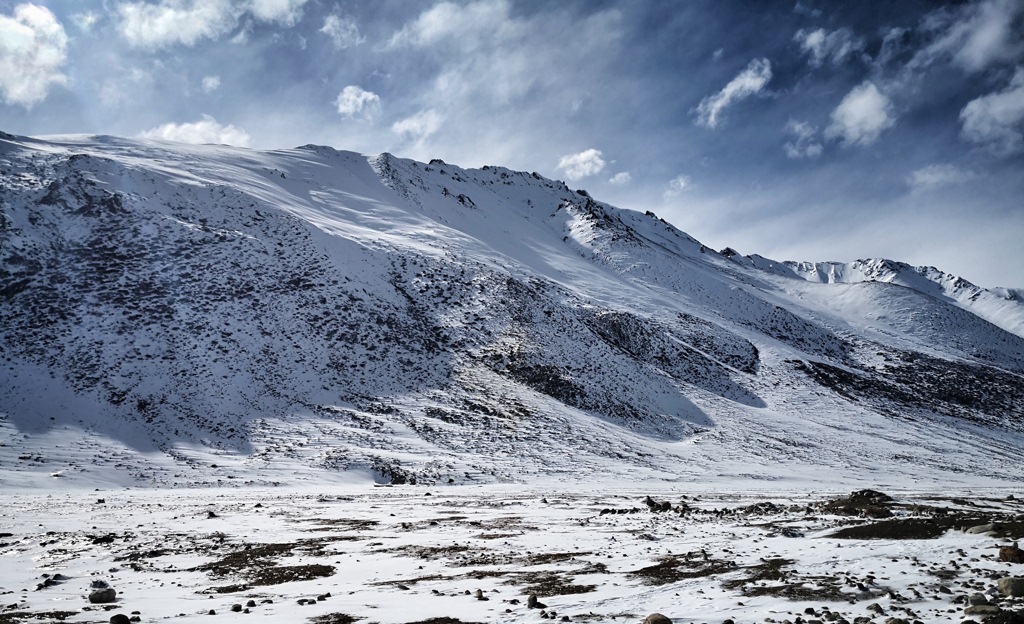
(312, 314)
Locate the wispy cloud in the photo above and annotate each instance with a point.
(975, 35)
(284, 12)
(343, 31)
(419, 126)
(621, 179)
(33, 49)
(206, 130)
(861, 117)
(211, 83)
(171, 22)
(937, 176)
(996, 120)
(804, 143)
(584, 164)
(835, 47)
(748, 82)
(678, 185)
(354, 100)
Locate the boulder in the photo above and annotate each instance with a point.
(657, 618)
(120, 618)
(980, 529)
(102, 596)
(1011, 554)
(1012, 586)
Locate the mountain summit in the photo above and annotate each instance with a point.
(178, 314)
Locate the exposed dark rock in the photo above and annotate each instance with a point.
(103, 596)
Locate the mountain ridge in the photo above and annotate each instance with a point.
(340, 314)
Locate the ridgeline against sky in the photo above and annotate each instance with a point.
(797, 130)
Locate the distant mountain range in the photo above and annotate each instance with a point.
(179, 315)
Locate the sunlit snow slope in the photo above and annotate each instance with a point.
(178, 315)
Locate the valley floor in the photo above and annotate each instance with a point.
(446, 555)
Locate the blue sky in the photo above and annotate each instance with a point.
(796, 130)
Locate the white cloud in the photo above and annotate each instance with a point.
(748, 82)
(186, 22)
(978, 34)
(835, 46)
(172, 22)
(206, 130)
(577, 166)
(211, 83)
(804, 144)
(996, 120)
(355, 100)
(343, 31)
(621, 178)
(468, 26)
(936, 176)
(419, 126)
(861, 116)
(678, 185)
(284, 12)
(33, 48)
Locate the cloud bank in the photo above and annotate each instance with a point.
(206, 130)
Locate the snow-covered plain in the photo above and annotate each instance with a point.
(414, 553)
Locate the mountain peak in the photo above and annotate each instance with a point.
(314, 313)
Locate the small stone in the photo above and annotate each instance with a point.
(103, 596)
(211, 612)
(657, 618)
(251, 603)
(479, 595)
(977, 599)
(877, 608)
(533, 603)
(120, 618)
(237, 608)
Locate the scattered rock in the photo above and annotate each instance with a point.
(1012, 586)
(103, 596)
(533, 603)
(657, 618)
(120, 618)
(977, 599)
(656, 506)
(236, 608)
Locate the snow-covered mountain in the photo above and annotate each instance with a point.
(175, 314)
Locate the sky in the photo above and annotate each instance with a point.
(798, 130)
